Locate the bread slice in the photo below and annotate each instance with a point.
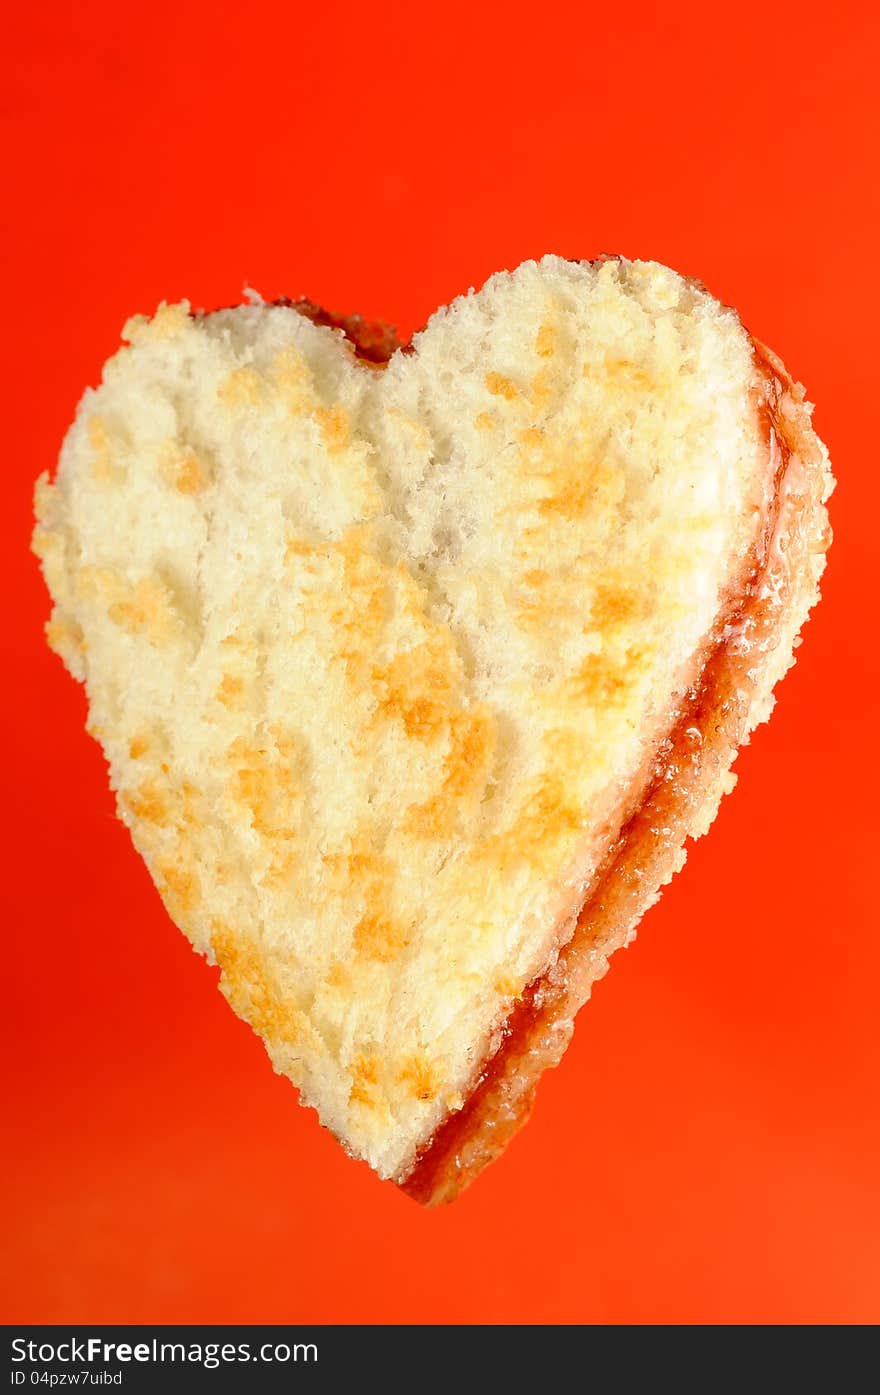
(416, 666)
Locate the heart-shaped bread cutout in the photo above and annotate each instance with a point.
(414, 676)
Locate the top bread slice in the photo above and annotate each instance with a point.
(385, 659)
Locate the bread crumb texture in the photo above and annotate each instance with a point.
(375, 656)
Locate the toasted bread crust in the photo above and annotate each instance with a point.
(752, 648)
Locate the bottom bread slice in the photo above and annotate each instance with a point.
(753, 647)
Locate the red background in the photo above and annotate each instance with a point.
(709, 1149)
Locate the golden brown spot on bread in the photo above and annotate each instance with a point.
(178, 888)
(185, 473)
(422, 1079)
(99, 583)
(541, 389)
(575, 491)
(157, 809)
(44, 541)
(536, 577)
(506, 987)
(338, 976)
(282, 865)
(250, 988)
(64, 635)
(551, 807)
(628, 374)
(603, 681)
(138, 746)
(284, 740)
(262, 781)
(292, 377)
(361, 614)
(472, 747)
(148, 803)
(333, 425)
(147, 609)
(243, 388)
(484, 422)
(532, 438)
(346, 583)
(358, 880)
(415, 687)
(545, 341)
(297, 548)
(167, 321)
(546, 815)
(224, 872)
(230, 690)
(472, 741)
(499, 386)
(615, 604)
(102, 466)
(377, 936)
(364, 1073)
(349, 868)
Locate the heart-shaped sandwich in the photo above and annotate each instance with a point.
(415, 666)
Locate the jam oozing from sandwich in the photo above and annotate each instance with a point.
(374, 341)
